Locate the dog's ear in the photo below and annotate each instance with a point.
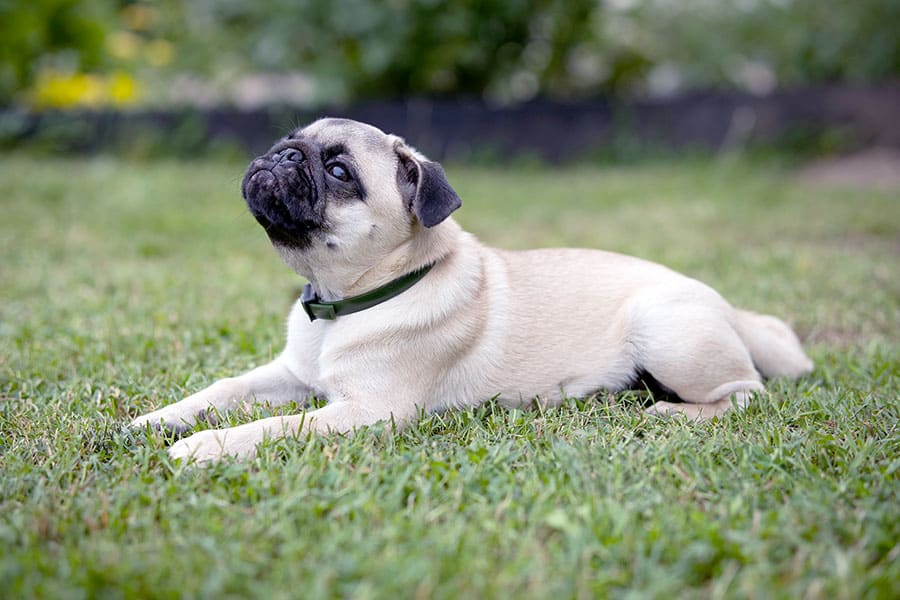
(425, 188)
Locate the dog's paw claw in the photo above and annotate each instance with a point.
(160, 425)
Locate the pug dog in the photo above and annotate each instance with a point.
(407, 314)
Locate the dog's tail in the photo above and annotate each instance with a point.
(773, 345)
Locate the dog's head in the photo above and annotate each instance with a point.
(347, 189)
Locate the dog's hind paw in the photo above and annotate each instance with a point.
(694, 412)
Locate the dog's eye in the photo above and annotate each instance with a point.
(338, 171)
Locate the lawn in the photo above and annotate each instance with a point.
(125, 286)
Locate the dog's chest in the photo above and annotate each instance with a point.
(303, 351)
(320, 352)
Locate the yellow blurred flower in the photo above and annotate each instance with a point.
(159, 53)
(123, 45)
(58, 90)
(122, 89)
(54, 89)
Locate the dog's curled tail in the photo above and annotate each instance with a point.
(773, 345)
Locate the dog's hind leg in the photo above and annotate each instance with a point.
(693, 350)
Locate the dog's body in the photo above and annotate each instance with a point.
(366, 210)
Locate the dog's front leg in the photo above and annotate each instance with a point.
(241, 441)
(272, 383)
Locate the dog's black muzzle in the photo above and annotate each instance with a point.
(282, 192)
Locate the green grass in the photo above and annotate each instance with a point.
(126, 286)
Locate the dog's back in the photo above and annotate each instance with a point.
(578, 321)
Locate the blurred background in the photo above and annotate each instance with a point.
(464, 79)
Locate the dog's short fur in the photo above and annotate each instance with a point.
(351, 208)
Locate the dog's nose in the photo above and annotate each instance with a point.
(289, 155)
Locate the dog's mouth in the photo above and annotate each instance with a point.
(281, 191)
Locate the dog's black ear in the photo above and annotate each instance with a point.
(425, 188)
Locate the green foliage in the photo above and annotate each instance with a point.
(394, 49)
(797, 41)
(504, 50)
(512, 50)
(128, 285)
(50, 33)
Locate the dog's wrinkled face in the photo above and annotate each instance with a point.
(344, 190)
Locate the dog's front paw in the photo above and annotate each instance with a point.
(205, 447)
(166, 419)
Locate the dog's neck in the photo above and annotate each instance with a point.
(426, 247)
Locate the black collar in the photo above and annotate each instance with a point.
(319, 309)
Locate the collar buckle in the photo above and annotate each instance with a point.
(314, 307)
